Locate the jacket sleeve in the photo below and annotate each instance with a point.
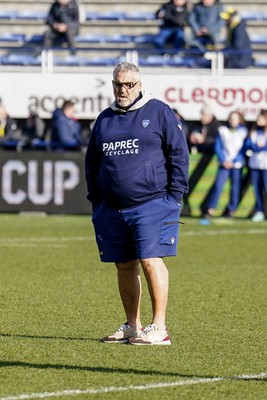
(72, 18)
(250, 145)
(50, 20)
(192, 20)
(177, 155)
(92, 166)
(219, 149)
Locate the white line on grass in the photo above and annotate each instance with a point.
(45, 241)
(56, 242)
(108, 389)
(225, 232)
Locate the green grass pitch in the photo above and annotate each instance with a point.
(57, 300)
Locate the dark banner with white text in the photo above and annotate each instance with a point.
(54, 183)
(43, 181)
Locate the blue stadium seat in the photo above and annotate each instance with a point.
(76, 61)
(253, 15)
(261, 63)
(70, 61)
(20, 59)
(111, 16)
(155, 61)
(90, 38)
(32, 15)
(90, 16)
(39, 144)
(117, 38)
(8, 14)
(101, 61)
(140, 16)
(177, 61)
(258, 39)
(12, 37)
(9, 144)
(144, 39)
(33, 39)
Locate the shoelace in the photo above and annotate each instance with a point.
(123, 328)
(148, 329)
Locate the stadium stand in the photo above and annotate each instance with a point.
(109, 30)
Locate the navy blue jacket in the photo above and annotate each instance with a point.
(173, 16)
(137, 155)
(67, 14)
(238, 53)
(66, 132)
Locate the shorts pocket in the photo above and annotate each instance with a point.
(172, 200)
(169, 233)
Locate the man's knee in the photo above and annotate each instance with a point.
(150, 262)
(127, 266)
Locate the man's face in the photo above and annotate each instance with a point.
(208, 3)
(69, 111)
(63, 2)
(126, 95)
(178, 3)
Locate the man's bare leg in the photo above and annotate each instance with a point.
(130, 291)
(157, 277)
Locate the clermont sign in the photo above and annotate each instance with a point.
(92, 92)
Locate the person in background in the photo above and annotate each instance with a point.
(206, 24)
(230, 150)
(63, 24)
(238, 52)
(66, 131)
(202, 137)
(33, 130)
(9, 130)
(257, 162)
(173, 16)
(136, 170)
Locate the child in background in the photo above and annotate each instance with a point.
(257, 142)
(229, 148)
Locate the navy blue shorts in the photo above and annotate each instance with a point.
(147, 230)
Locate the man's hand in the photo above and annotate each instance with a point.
(228, 164)
(60, 27)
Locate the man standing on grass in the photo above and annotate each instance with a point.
(137, 173)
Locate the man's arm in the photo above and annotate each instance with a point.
(177, 156)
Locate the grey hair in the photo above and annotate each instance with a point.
(126, 66)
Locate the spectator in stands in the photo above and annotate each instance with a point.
(182, 120)
(257, 142)
(206, 24)
(63, 22)
(33, 130)
(238, 53)
(66, 130)
(230, 150)
(173, 16)
(202, 136)
(9, 130)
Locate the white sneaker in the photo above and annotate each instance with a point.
(258, 217)
(151, 336)
(122, 335)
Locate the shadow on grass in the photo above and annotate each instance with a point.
(47, 337)
(4, 364)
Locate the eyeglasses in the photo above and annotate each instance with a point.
(126, 85)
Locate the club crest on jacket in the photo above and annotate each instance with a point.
(145, 122)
